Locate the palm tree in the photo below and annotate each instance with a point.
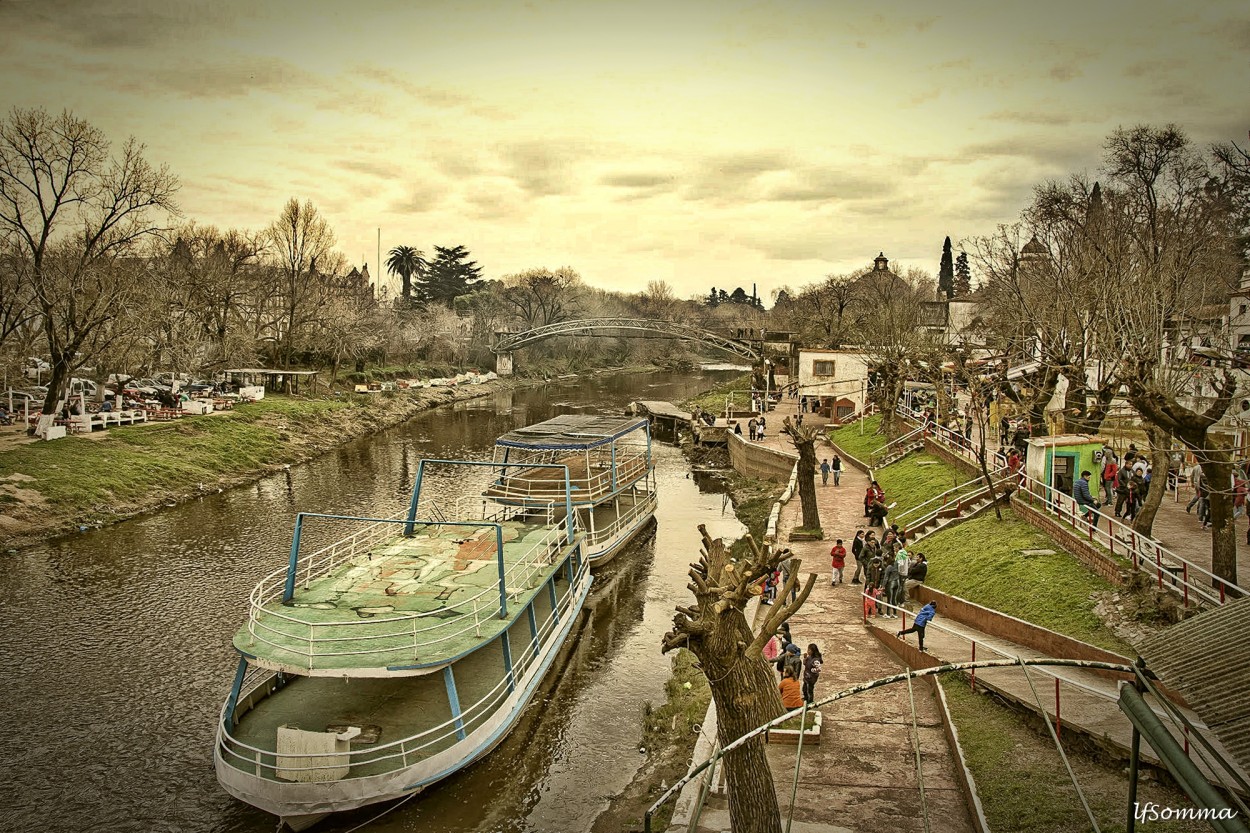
(405, 261)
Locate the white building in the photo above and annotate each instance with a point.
(837, 379)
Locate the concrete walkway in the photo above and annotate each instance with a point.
(1083, 700)
(862, 775)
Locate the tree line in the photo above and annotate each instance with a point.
(101, 273)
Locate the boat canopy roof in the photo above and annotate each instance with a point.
(572, 432)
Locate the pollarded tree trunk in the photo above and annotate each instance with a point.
(1190, 427)
(744, 688)
(1160, 461)
(804, 439)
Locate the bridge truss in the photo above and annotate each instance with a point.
(629, 327)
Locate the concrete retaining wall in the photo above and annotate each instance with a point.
(753, 460)
(1019, 631)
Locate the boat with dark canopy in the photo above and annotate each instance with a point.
(611, 475)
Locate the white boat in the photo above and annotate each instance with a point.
(376, 665)
(611, 474)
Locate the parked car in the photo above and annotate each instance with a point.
(199, 386)
(84, 386)
(20, 397)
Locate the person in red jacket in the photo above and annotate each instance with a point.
(838, 554)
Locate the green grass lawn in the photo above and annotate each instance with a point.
(1022, 782)
(714, 399)
(861, 447)
(980, 560)
(915, 479)
(78, 473)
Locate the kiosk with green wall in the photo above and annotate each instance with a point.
(1059, 461)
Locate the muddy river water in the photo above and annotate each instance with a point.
(116, 656)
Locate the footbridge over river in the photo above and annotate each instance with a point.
(508, 342)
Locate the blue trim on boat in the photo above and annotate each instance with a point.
(521, 703)
(453, 700)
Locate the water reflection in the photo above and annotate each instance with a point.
(117, 642)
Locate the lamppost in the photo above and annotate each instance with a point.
(863, 402)
(767, 380)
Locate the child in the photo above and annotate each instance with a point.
(870, 602)
(812, 662)
(838, 554)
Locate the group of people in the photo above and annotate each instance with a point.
(1128, 480)
(799, 670)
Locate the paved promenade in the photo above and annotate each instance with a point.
(862, 776)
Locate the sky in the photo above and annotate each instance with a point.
(702, 143)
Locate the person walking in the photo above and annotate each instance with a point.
(857, 550)
(923, 618)
(1109, 469)
(824, 472)
(838, 556)
(893, 589)
(812, 662)
(836, 465)
(752, 427)
(1123, 489)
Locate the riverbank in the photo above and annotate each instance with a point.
(89, 481)
(50, 488)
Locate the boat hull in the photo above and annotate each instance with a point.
(603, 552)
(295, 801)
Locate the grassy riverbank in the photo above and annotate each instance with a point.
(52, 487)
(714, 399)
(1022, 782)
(983, 560)
(861, 446)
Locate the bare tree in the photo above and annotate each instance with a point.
(303, 250)
(1169, 258)
(888, 318)
(540, 296)
(804, 439)
(730, 655)
(75, 212)
(825, 310)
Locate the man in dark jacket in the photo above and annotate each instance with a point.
(1084, 500)
(857, 549)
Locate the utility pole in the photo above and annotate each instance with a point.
(379, 277)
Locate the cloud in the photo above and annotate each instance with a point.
(1038, 117)
(638, 179)
(419, 197)
(813, 184)
(543, 167)
(1065, 71)
(440, 98)
(360, 166)
(112, 25)
(223, 76)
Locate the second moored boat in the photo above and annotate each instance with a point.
(610, 470)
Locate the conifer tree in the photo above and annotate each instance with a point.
(946, 274)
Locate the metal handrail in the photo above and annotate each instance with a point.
(894, 445)
(978, 482)
(645, 506)
(1141, 548)
(228, 744)
(1146, 554)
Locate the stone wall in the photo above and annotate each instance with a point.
(754, 460)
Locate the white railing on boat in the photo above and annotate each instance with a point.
(401, 753)
(523, 483)
(645, 506)
(409, 632)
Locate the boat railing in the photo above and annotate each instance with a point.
(647, 502)
(403, 752)
(601, 479)
(414, 632)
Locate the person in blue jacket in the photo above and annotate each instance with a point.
(1085, 500)
(923, 618)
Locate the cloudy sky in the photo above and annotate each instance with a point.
(704, 143)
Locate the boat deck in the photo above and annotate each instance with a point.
(408, 602)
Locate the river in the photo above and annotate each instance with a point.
(116, 642)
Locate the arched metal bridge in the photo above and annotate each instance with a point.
(507, 342)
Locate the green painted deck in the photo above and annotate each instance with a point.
(407, 601)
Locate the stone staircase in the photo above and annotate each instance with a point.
(897, 449)
(962, 507)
